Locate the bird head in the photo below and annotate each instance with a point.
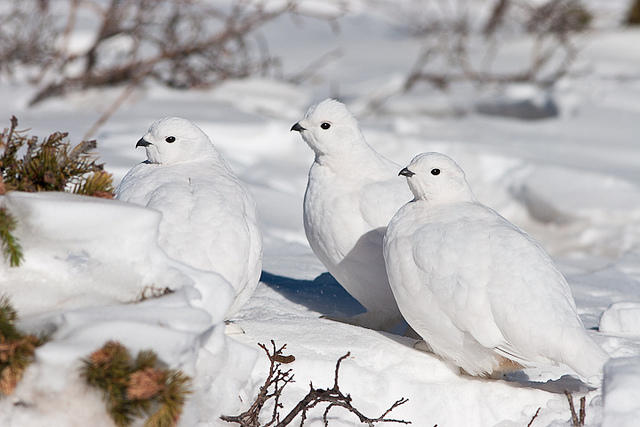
(329, 128)
(437, 178)
(173, 139)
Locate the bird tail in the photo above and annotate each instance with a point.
(584, 356)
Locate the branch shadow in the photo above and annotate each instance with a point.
(322, 294)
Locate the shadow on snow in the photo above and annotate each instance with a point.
(325, 296)
(322, 294)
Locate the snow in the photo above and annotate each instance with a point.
(571, 181)
(621, 392)
(87, 261)
(622, 318)
(81, 251)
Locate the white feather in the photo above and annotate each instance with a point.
(351, 195)
(208, 216)
(476, 287)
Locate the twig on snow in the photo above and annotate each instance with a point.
(534, 417)
(577, 421)
(278, 379)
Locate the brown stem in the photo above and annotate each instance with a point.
(534, 417)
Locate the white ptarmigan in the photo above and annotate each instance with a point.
(481, 292)
(208, 216)
(351, 195)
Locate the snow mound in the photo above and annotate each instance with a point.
(597, 213)
(182, 336)
(83, 251)
(621, 392)
(87, 263)
(622, 318)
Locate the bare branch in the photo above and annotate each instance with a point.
(497, 16)
(178, 43)
(124, 95)
(456, 49)
(534, 417)
(278, 379)
(577, 421)
(312, 69)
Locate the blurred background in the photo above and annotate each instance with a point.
(538, 100)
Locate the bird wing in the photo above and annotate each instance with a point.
(493, 281)
(208, 219)
(454, 263)
(530, 299)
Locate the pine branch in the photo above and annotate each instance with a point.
(98, 184)
(47, 165)
(16, 349)
(51, 164)
(10, 245)
(135, 388)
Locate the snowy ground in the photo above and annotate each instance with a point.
(572, 181)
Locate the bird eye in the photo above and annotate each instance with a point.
(435, 171)
(325, 125)
(170, 139)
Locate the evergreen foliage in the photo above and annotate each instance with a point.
(16, 348)
(27, 164)
(51, 164)
(137, 387)
(10, 246)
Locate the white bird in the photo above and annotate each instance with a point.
(351, 195)
(480, 291)
(208, 216)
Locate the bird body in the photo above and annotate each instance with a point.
(208, 217)
(480, 291)
(352, 193)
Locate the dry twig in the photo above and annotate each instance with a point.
(577, 420)
(277, 379)
(534, 417)
(551, 27)
(455, 48)
(177, 43)
(180, 44)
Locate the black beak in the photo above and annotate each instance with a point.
(297, 127)
(142, 143)
(406, 172)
